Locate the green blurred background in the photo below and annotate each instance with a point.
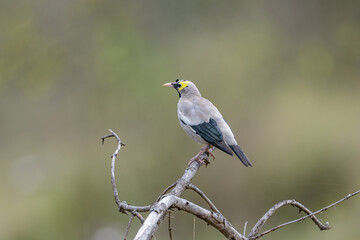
(285, 74)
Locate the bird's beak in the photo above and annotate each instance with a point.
(167, 85)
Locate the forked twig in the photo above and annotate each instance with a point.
(311, 215)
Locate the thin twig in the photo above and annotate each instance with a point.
(113, 158)
(122, 206)
(194, 229)
(245, 228)
(138, 215)
(128, 226)
(166, 190)
(273, 209)
(170, 233)
(207, 200)
(310, 215)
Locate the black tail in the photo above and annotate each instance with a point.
(222, 146)
(241, 155)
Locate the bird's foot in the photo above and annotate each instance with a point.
(202, 162)
(197, 156)
(210, 152)
(212, 155)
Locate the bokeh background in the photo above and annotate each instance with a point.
(285, 74)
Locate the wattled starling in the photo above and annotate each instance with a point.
(202, 121)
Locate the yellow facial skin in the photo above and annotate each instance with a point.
(183, 85)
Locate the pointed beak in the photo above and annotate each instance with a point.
(167, 85)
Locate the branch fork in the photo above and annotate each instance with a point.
(166, 202)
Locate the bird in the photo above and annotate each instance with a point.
(202, 121)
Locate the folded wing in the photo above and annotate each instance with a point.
(211, 133)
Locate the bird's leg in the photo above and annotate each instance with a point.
(210, 152)
(197, 156)
(203, 150)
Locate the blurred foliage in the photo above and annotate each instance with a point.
(285, 74)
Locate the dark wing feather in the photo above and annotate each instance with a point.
(211, 133)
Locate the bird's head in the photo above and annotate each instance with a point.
(184, 87)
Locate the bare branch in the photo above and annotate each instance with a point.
(194, 230)
(216, 220)
(170, 228)
(245, 225)
(113, 158)
(122, 206)
(273, 209)
(159, 209)
(207, 200)
(128, 226)
(166, 202)
(184, 181)
(311, 215)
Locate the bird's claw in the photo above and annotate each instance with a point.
(211, 154)
(202, 162)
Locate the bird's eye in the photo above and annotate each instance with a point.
(177, 80)
(179, 85)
